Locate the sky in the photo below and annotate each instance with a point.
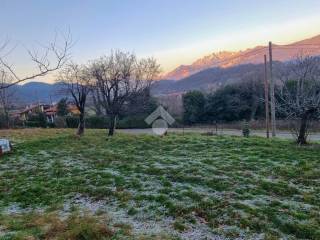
(174, 32)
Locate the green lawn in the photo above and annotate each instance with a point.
(57, 186)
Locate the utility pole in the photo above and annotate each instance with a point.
(266, 95)
(273, 104)
(51, 100)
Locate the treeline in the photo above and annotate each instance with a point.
(133, 114)
(95, 122)
(297, 98)
(234, 102)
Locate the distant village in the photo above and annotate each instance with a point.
(172, 102)
(49, 110)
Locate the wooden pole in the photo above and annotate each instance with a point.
(272, 98)
(266, 96)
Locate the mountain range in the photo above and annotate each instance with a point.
(254, 55)
(34, 92)
(207, 73)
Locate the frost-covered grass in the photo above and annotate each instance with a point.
(57, 186)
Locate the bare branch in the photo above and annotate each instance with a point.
(299, 95)
(60, 54)
(121, 77)
(77, 83)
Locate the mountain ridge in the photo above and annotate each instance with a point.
(223, 59)
(33, 92)
(205, 77)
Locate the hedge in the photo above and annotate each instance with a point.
(100, 122)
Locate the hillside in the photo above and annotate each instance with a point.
(206, 74)
(254, 55)
(209, 79)
(37, 92)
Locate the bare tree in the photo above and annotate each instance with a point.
(77, 83)
(50, 59)
(119, 78)
(299, 94)
(6, 96)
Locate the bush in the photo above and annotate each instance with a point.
(60, 122)
(246, 129)
(16, 123)
(62, 107)
(37, 120)
(72, 121)
(100, 122)
(132, 122)
(42, 120)
(32, 124)
(193, 104)
(51, 125)
(3, 121)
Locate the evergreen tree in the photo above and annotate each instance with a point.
(193, 104)
(62, 107)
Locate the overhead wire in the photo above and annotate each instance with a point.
(256, 51)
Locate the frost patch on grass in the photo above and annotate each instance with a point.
(83, 204)
(44, 153)
(111, 172)
(15, 209)
(237, 186)
(141, 224)
(196, 232)
(257, 201)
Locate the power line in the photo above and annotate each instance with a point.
(304, 44)
(242, 55)
(296, 48)
(256, 51)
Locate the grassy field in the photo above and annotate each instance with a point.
(57, 186)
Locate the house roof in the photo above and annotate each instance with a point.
(50, 110)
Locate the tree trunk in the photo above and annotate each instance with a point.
(80, 130)
(302, 137)
(112, 125)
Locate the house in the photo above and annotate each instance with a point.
(49, 110)
(24, 114)
(51, 113)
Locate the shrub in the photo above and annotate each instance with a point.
(132, 122)
(72, 121)
(42, 120)
(3, 121)
(193, 104)
(96, 122)
(101, 122)
(60, 122)
(51, 125)
(16, 122)
(37, 120)
(246, 129)
(32, 124)
(62, 107)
